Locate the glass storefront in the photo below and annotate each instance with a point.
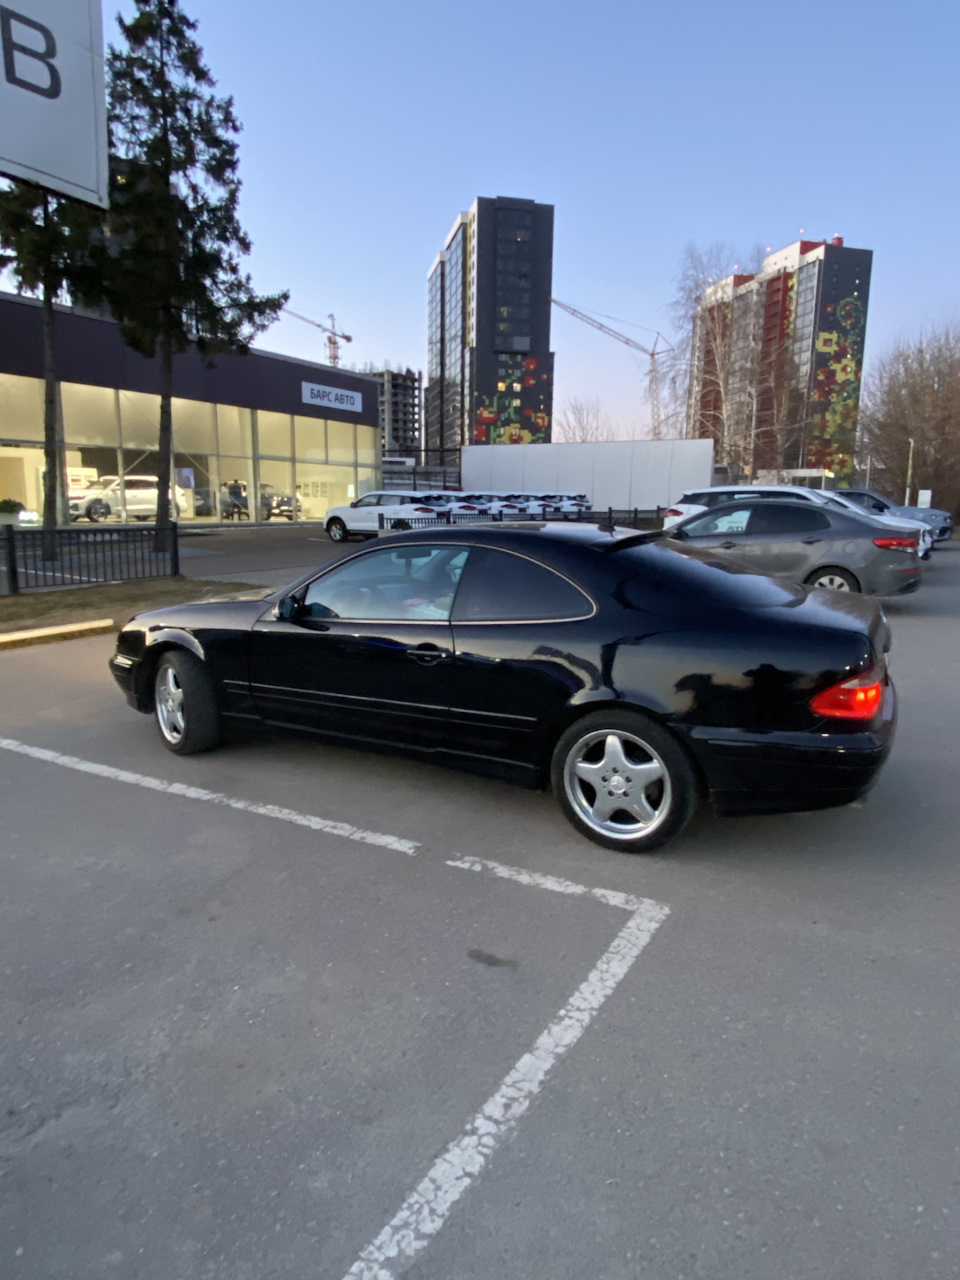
(230, 463)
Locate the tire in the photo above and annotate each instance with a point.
(185, 704)
(927, 554)
(660, 808)
(97, 511)
(267, 514)
(833, 578)
(337, 530)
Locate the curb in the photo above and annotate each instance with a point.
(46, 635)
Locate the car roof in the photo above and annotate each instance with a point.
(528, 534)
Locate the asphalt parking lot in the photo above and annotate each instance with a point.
(289, 1010)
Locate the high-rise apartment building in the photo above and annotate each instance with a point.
(489, 363)
(777, 360)
(401, 411)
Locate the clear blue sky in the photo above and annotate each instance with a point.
(369, 124)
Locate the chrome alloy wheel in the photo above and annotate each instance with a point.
(168, 697)
(618, 784)
(832, 582)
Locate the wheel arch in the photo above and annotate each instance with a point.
(580, 711)
(147, 667)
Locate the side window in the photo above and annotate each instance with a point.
(370, 500)
(725, 521)
(394, 584)
(499, 587)
(785, 520)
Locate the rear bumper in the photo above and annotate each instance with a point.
(791, 772)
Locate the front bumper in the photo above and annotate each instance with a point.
(788, 772)
(124, 670)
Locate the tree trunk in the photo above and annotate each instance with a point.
(163, 540)
(51, 451)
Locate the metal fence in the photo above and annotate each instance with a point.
(631, 519)
(83, 556)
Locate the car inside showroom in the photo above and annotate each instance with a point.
(256, 436)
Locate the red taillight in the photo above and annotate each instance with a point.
(896, 544)
(856, 699)
(427, 511)
(509, 506)
(465, 506)
(673, 511)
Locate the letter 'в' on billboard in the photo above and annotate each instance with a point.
(53, 112)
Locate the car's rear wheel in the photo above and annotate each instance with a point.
(833, 579)
(185, 704)
(337, 529)
(624, 781)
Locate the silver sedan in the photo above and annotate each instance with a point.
(819, 546)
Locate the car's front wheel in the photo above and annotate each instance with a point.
(337, 530)
(185, 704)
(624, 781)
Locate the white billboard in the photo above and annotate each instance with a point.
(53, 113)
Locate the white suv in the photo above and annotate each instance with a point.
(101, 498)
(363, 516)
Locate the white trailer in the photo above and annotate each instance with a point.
(621, 474)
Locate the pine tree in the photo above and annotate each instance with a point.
(44, 240)
(170, 267)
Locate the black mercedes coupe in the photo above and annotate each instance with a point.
(633, 675)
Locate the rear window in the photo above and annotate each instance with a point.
(659, 574)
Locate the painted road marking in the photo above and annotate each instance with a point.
(426, 1209)
(327, 825)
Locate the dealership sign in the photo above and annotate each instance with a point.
(331, 397)
(53, 114)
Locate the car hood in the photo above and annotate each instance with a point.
(236, 611)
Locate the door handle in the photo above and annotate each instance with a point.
(809, 542)
(728, 546)
(428, 654)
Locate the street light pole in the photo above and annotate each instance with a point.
(906, 497)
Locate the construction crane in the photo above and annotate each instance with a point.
(334, 335)
(656, 421)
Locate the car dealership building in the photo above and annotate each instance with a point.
(246, 428)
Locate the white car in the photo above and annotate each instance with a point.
(693, 501)
(363, 516)
(101, 498)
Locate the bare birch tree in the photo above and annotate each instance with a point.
(582, 421)
(913, 392)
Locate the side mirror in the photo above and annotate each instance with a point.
(679, 534)
(288, 609)
(353, 504)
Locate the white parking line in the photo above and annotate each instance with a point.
(426, 1209)
(327, 825)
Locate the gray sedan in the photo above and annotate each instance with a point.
(820, 546)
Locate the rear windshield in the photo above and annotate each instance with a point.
(693, 577)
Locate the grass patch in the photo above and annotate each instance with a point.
(117, 600)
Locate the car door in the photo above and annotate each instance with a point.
(363, 514)
(723, 530)
(786, 539)
(521, 634)
(365, 649)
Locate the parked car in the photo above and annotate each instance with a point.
(694, 501)
(102, 498)
(274, 504)
(632, 672)
(363, 516)
(807, 543)
(941, 522)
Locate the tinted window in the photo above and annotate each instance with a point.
(783, 519)
(370, 500)
(394, 584)
(499, 586)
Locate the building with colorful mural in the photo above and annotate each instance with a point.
(777, 360)
(489, 363)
